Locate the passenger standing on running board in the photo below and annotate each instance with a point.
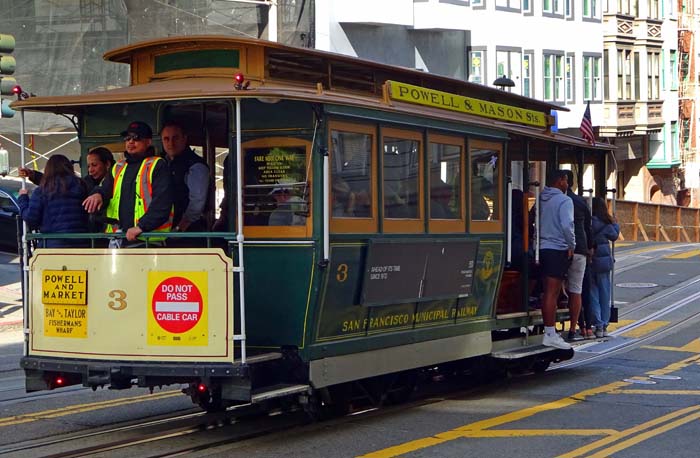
(557, 242)
(582, 252)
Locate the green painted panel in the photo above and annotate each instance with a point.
(341, 313)
(206, 58)
(111, 120)
(285, 114)
(486, 277)
(342, 317)
(277, 283)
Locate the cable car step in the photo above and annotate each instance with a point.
(278, 391)
(524, 352)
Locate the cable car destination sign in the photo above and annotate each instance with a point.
(468, 105)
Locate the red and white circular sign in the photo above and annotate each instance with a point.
(177, 305)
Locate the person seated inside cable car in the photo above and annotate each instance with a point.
(440, 198)
(289, 208)
(343, 199)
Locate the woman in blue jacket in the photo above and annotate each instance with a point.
(56, 205)
(605, 230)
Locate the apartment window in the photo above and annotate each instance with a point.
(569, 72)
(508, 63)
(637, 75)
(528, 90)
(554, 77)
(627, 7)
(477, 2)
(590, 9)
(674, 70)
(674, 141)
(527, 6)
(477, 67)
(624, 74)
(553, 6)
(508, 4)
(653, 75)
(685, 133)
(653, 6)
(591, 78)
(606, 81)
(568, 9)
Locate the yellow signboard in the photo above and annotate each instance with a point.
(65, 321)
(68, 287)
(177, 308)
(453, 102)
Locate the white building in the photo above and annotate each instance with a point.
(553, 50)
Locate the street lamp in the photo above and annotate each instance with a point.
(504, 82)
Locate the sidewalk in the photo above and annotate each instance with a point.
(11, 314)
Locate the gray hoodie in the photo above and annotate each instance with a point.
(556, 220)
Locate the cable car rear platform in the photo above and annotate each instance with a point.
(41, 372)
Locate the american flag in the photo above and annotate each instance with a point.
(587, 126)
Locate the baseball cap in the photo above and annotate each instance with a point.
(139, 128)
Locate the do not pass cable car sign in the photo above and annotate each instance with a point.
(178, 308)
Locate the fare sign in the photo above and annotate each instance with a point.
(178, 308)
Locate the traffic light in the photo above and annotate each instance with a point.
(7, 68)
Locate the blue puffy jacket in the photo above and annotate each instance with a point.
(603, 234)
(58, 213)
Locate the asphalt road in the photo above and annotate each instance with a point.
(633, 396)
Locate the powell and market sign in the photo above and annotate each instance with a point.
(438, 99)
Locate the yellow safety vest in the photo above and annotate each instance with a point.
(143, 198)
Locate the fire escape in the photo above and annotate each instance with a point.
(688, 95)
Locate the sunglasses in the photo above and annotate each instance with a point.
(133, 137)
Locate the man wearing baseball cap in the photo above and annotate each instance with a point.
(137, 193)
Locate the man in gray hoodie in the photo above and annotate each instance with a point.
(557, 242)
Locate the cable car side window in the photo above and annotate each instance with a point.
(353, 178)
(276, 193)
(446, 199)
(402, 173)
(485, 185)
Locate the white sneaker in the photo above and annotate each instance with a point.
(555, 341)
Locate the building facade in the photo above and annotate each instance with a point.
(620, 56)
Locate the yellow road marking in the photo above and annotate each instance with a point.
(685, 255)
(80, 408)
(639, 331)
(626, 433)
(645, 329)
(644, 436)
(651, 248)
(619, 324)
(673, 392)
(539, 432)
(466, 430)
(691, 347)
(479, 426)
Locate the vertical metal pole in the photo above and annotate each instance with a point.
(326, 209)
(25, 255)
(272, 21)
(509, 199)
(612, 250)
(537, 224)
(239, 227)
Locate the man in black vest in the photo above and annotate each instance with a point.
(190, 180)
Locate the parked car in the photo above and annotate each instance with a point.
(9, 209)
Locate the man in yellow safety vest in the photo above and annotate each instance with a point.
(138, 191)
